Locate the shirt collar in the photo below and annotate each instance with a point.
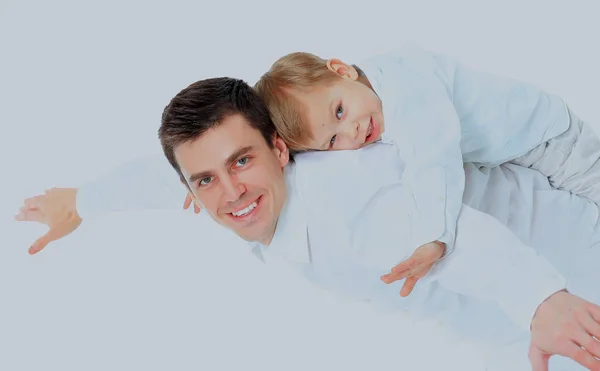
(290, 241)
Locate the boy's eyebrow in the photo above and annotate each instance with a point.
(231, 159)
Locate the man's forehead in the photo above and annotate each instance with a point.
(216, 146)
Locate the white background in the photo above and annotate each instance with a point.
(82, 87)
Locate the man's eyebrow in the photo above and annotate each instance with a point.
(196, 176)
(235, 155)
(231, 159)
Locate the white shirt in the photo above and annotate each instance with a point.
(346, 222)
(441, 114)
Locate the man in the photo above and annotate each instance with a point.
(339, 221)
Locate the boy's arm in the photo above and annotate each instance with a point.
(423, 122)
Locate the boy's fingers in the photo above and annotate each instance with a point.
(393, 277)
(187, 202)
(405, 265)
(409, 285)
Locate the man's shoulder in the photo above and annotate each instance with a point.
(343, 181)
(328, 165)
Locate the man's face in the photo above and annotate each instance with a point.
(236, 177)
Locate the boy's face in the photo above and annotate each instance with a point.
(236, 177)
(343, 114)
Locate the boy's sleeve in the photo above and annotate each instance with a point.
(142, 184)
(420, 118)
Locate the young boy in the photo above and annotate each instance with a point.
(439, 114)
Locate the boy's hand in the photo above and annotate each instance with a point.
(55, 208)
(415, 267)
(188, 201)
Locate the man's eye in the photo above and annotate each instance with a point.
(242, 161)
(205, 181)
(332, 141)
(339, 111)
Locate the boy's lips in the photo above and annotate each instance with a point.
(372, 131)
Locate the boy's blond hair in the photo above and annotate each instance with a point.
(293, 73)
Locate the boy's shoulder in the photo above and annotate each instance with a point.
(405, 68)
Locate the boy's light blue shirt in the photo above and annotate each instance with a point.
(440, 114)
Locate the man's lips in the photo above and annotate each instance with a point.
(247, 211)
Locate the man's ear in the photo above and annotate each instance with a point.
(281, 150)
(342, 69)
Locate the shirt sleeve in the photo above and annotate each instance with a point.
(490, 263)
(142, 184)
(421, 120)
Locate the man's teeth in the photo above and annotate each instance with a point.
(246, 210)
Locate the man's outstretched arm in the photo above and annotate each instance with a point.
(148, 183)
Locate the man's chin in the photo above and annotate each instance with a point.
(258, 235)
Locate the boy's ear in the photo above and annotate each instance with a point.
(344, 70)
(282, 151)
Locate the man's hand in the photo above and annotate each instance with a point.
(415, 267)
(566, 325)
(55, 208)
(188, 201)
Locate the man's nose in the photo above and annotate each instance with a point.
(233, 189)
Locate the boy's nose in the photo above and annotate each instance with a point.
(352, 130)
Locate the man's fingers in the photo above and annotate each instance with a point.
(539, 360)
(594, 311)
(589, 343)
(40, 244)
(197, 208)
(52, 235)
(409, 285)
(29, 216)
(33, 202)
(592, 326)
(582, 356)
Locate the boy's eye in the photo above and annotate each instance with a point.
(332, 141)
(339, 111)
(242, 161)
(205, 181)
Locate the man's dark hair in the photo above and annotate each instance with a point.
(205, 104)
